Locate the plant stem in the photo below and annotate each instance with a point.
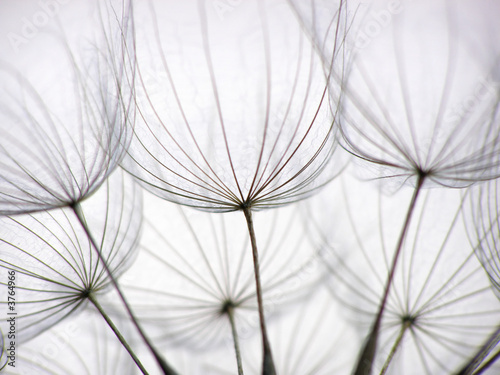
(117, 333)
(167, 370)
(395, 348)
(488, 363)
(365, 361)
(230, 314)
(268, 363)
(481, 354)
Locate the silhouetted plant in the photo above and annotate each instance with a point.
(440, 307)
(57, 270)
(228, 105)
(234, 115)
(200, 291)
(404, 110)
(58, 147)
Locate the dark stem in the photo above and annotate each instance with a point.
(481, 354)
(230, 314)
(117, 332)
(167, 370)
(268, 363)
(365, 361)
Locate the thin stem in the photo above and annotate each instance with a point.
(230, 314)
(268, 363)
(365, 361)
(395, 348)
(117, 332)
(167, 370)
(481, 354)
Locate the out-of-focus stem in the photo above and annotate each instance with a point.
(167, 370)
(395, 348)
(364, 364)
(117, 332)
(268, 363)
(230, 314)
(482, 353)
(487, 364)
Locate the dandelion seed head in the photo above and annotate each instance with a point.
(64, 118)
(440, 296)
(200, 272)
(239, 113)
(56, 266)
(419, 99)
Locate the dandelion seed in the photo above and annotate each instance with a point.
(420, 101)
(64, 119)
(57, 269)
(399, 113)
(199, 291)
(233, 114)
(440, 307)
